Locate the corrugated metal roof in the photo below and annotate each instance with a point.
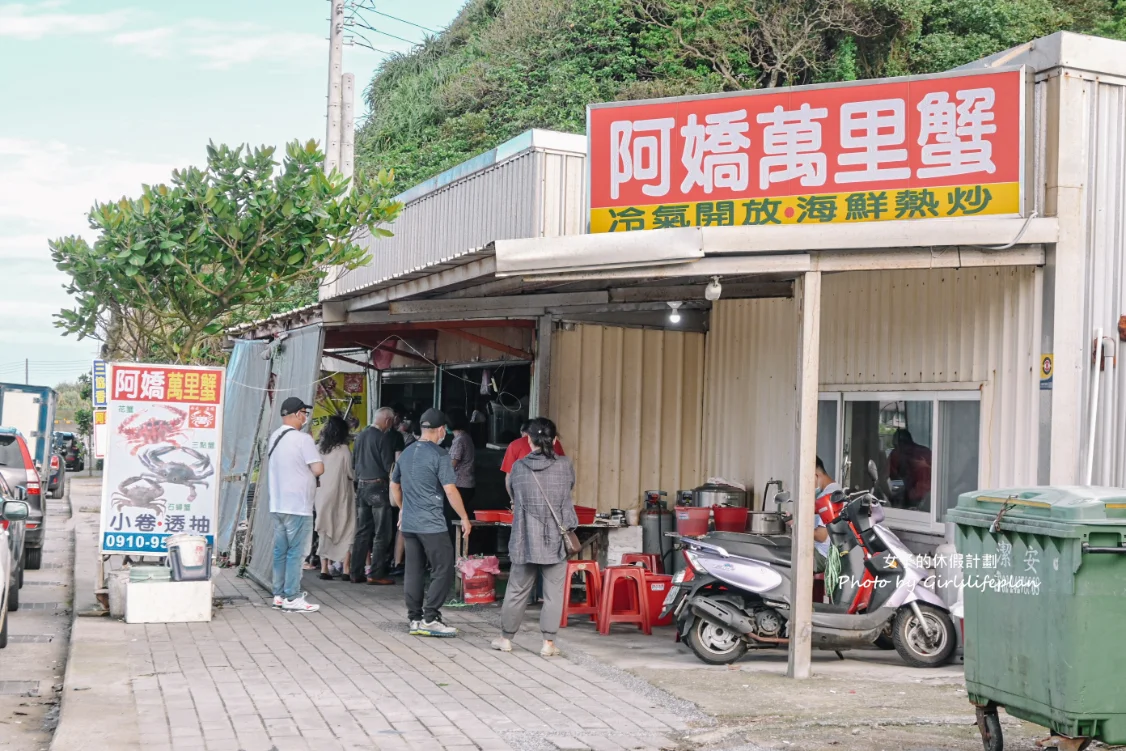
(534, 186)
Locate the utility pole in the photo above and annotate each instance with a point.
(335, 66)
(347, 126)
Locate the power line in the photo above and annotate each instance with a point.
(371, 8)
(369, 27)
(366, 44)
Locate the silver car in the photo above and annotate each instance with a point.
(13, 514)
(18, 468)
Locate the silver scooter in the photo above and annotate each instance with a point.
(735, 593)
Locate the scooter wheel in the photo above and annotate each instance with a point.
(924, 645)
(715, 645)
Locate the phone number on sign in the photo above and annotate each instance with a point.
(134, 542)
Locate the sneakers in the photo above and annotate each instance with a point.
(412, 629)
(432, 628)
(502, 644)
(278, 600)
(298, 605)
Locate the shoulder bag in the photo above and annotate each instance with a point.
(571, 542)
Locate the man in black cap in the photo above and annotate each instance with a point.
(422, 479)
(294, 466)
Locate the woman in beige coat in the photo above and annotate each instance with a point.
(336, 498)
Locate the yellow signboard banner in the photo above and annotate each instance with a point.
(828, 208)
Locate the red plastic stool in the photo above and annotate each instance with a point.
(652, 561)
(632, 577)
(592, 582)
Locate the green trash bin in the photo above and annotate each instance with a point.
(1044, 588)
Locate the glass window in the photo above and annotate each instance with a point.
(924, 446)
(959, 452)
(897, 435)
(827, 435)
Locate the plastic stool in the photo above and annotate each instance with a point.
(652, 561)
(592, 582)
(633, 577)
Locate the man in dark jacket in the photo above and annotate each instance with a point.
(376, 450)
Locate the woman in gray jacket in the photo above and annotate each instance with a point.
(541, 485)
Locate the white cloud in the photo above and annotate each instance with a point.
(220, 47)
(213, 45)
(222, 51)
(46, 188)
(31, 22)
(154, 42)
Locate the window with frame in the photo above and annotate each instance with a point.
(925, 445)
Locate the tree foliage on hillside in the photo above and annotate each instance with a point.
(504, 66)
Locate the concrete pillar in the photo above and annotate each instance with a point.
(807, 297)
(1068, 115)
(541, 369)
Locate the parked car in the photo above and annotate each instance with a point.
(13, 514)
(56, 485)
(18, 468)
(17, 534)
(69, 448)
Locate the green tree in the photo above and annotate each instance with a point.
(173, 268)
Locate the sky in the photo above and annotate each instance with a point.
(101, 96)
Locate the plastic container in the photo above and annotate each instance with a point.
(730, 518)
(656, 587)
(586, 514)
(692, 521)
(1043, 576)
(189, 558)
(480, 589)
(503, 517)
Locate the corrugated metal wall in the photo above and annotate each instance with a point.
(243, 401)
(1106, 273)
(628, 406)
(535, 194)
(878, 329)
(296, 368)
(749, 397)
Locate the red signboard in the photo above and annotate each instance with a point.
(155, 383)
(931, 147)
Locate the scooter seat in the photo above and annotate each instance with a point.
(769, 549)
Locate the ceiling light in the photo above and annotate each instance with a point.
(713, 290)
(674, 315)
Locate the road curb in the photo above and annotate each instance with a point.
(97, 709)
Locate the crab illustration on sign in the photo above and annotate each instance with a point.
(201, 416)
(153, 430)
(140, 492)
(189, 473)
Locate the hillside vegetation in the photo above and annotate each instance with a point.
(504, 66)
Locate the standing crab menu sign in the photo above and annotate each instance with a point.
(164, 425)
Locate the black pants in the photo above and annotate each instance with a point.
(420, 548)
(374, 529)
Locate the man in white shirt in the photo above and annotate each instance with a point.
(294, 466)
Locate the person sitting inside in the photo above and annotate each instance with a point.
(826, 508)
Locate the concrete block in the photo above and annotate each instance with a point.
(168, 602)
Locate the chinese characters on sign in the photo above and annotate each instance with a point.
(900, 149)
(162, 435)
(98, 385)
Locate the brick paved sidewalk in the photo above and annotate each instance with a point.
(350, 677)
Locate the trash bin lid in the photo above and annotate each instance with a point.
(1066, 504)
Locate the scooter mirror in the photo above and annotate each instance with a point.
(872, 471)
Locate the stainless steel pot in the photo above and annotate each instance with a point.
(767, 523)
(710, 495)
